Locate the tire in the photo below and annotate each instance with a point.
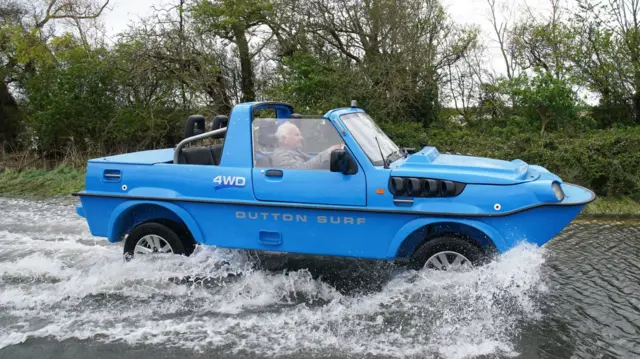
(472, 254)
(140, 235)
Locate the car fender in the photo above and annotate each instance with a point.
(120, 210)
(410, 227)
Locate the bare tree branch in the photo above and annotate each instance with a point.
(67, 10)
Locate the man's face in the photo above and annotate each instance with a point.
(293, 139)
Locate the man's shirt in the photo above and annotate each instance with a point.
(296, 159)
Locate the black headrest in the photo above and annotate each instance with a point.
(267, 128)
(194, 126)
(220, 121)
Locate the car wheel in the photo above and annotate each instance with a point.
(447, 253)
(152, 238)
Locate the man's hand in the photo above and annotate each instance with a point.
(335, 147)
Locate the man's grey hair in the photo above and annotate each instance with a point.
(284, 130)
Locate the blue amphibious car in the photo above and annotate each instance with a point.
(268, 179)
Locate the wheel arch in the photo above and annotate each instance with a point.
(418, 231)
(131, 213)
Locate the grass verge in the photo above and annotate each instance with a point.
(64, 180)
(621, 206)
(60, 181)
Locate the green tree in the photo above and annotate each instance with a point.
(24, 45)
(172, 55)
(544, 99)
(71, 103)
(315, 85)
(607, 56)
(232, 20)
(395, 54)
(544, 43)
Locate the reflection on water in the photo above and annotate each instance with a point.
(62, 288)
(592, 309)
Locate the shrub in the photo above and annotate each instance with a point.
(606, 161)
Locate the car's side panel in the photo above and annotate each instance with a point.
(536, 225)
(97, 211)
(310, 186)
(173, 181)
(298, 230)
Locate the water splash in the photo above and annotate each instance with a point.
(65, 284)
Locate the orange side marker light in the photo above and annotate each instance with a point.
(380, 191)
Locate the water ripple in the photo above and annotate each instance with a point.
(593, 275)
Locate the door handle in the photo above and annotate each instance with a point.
(111, 175)
(274, 173)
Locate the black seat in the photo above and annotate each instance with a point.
(267, 128)
(197, 156)
(266, 141)
(216, 153)
(263, 160)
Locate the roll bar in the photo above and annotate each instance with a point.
(176, 152)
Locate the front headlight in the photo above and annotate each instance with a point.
(557, 190)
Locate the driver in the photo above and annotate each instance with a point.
(289, 155)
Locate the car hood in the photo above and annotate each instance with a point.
(430, 163)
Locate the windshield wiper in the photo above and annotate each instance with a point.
(391, 154)
(384, 160)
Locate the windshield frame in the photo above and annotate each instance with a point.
(364, 131)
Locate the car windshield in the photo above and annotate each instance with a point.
(365, 132)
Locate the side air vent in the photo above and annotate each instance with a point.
(414, 187)
(424, 187)
(397, 186)
(430, 187)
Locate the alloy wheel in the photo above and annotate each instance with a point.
(151, 244)
(448, 260)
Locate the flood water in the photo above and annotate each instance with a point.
(64, 293)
